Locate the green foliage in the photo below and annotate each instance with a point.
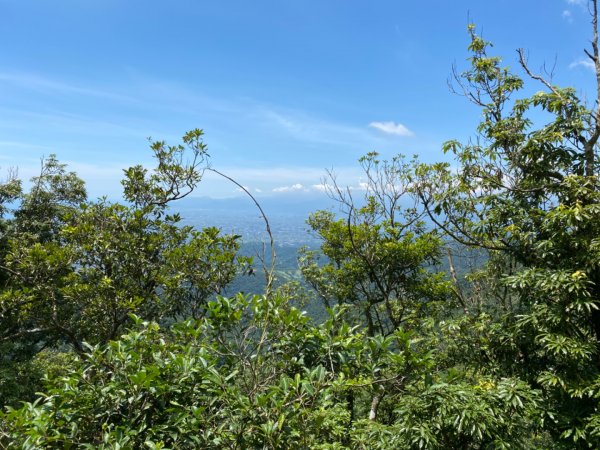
(255, 373)
(528, 193)
(55, 193)
(458, 414)
(24, 371)
(75, 270)
(395, 364)
(378, 258)
(178, 171)
(187, 390)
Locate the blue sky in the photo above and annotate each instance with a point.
(283, 89)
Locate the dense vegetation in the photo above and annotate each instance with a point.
(113, 332)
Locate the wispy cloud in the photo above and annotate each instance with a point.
(16, 145)
(155, 97)
(72, 123)
(393, 128)
(567, 14)
(135, 90)
(305, 127)
(588, 64)
(107, 125)
(47, 85)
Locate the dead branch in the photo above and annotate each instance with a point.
(269, 271)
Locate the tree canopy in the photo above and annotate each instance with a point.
(120, 305)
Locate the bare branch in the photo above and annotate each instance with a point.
(375, 404)
(595, 133)
(457, 289)
(523, 62)
(269, 272)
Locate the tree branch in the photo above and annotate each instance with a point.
(269, 272)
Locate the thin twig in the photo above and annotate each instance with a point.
(523, 62)
(269, 272)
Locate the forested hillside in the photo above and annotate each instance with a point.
(453, 305)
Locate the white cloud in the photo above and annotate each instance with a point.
(588, 64)
(360, 186)
(566, 14)
(248, 189)
(293, 188)
(577, 2)
(274, 180)
(392, 128)
(323, 187)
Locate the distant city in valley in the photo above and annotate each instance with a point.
(241, 216)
